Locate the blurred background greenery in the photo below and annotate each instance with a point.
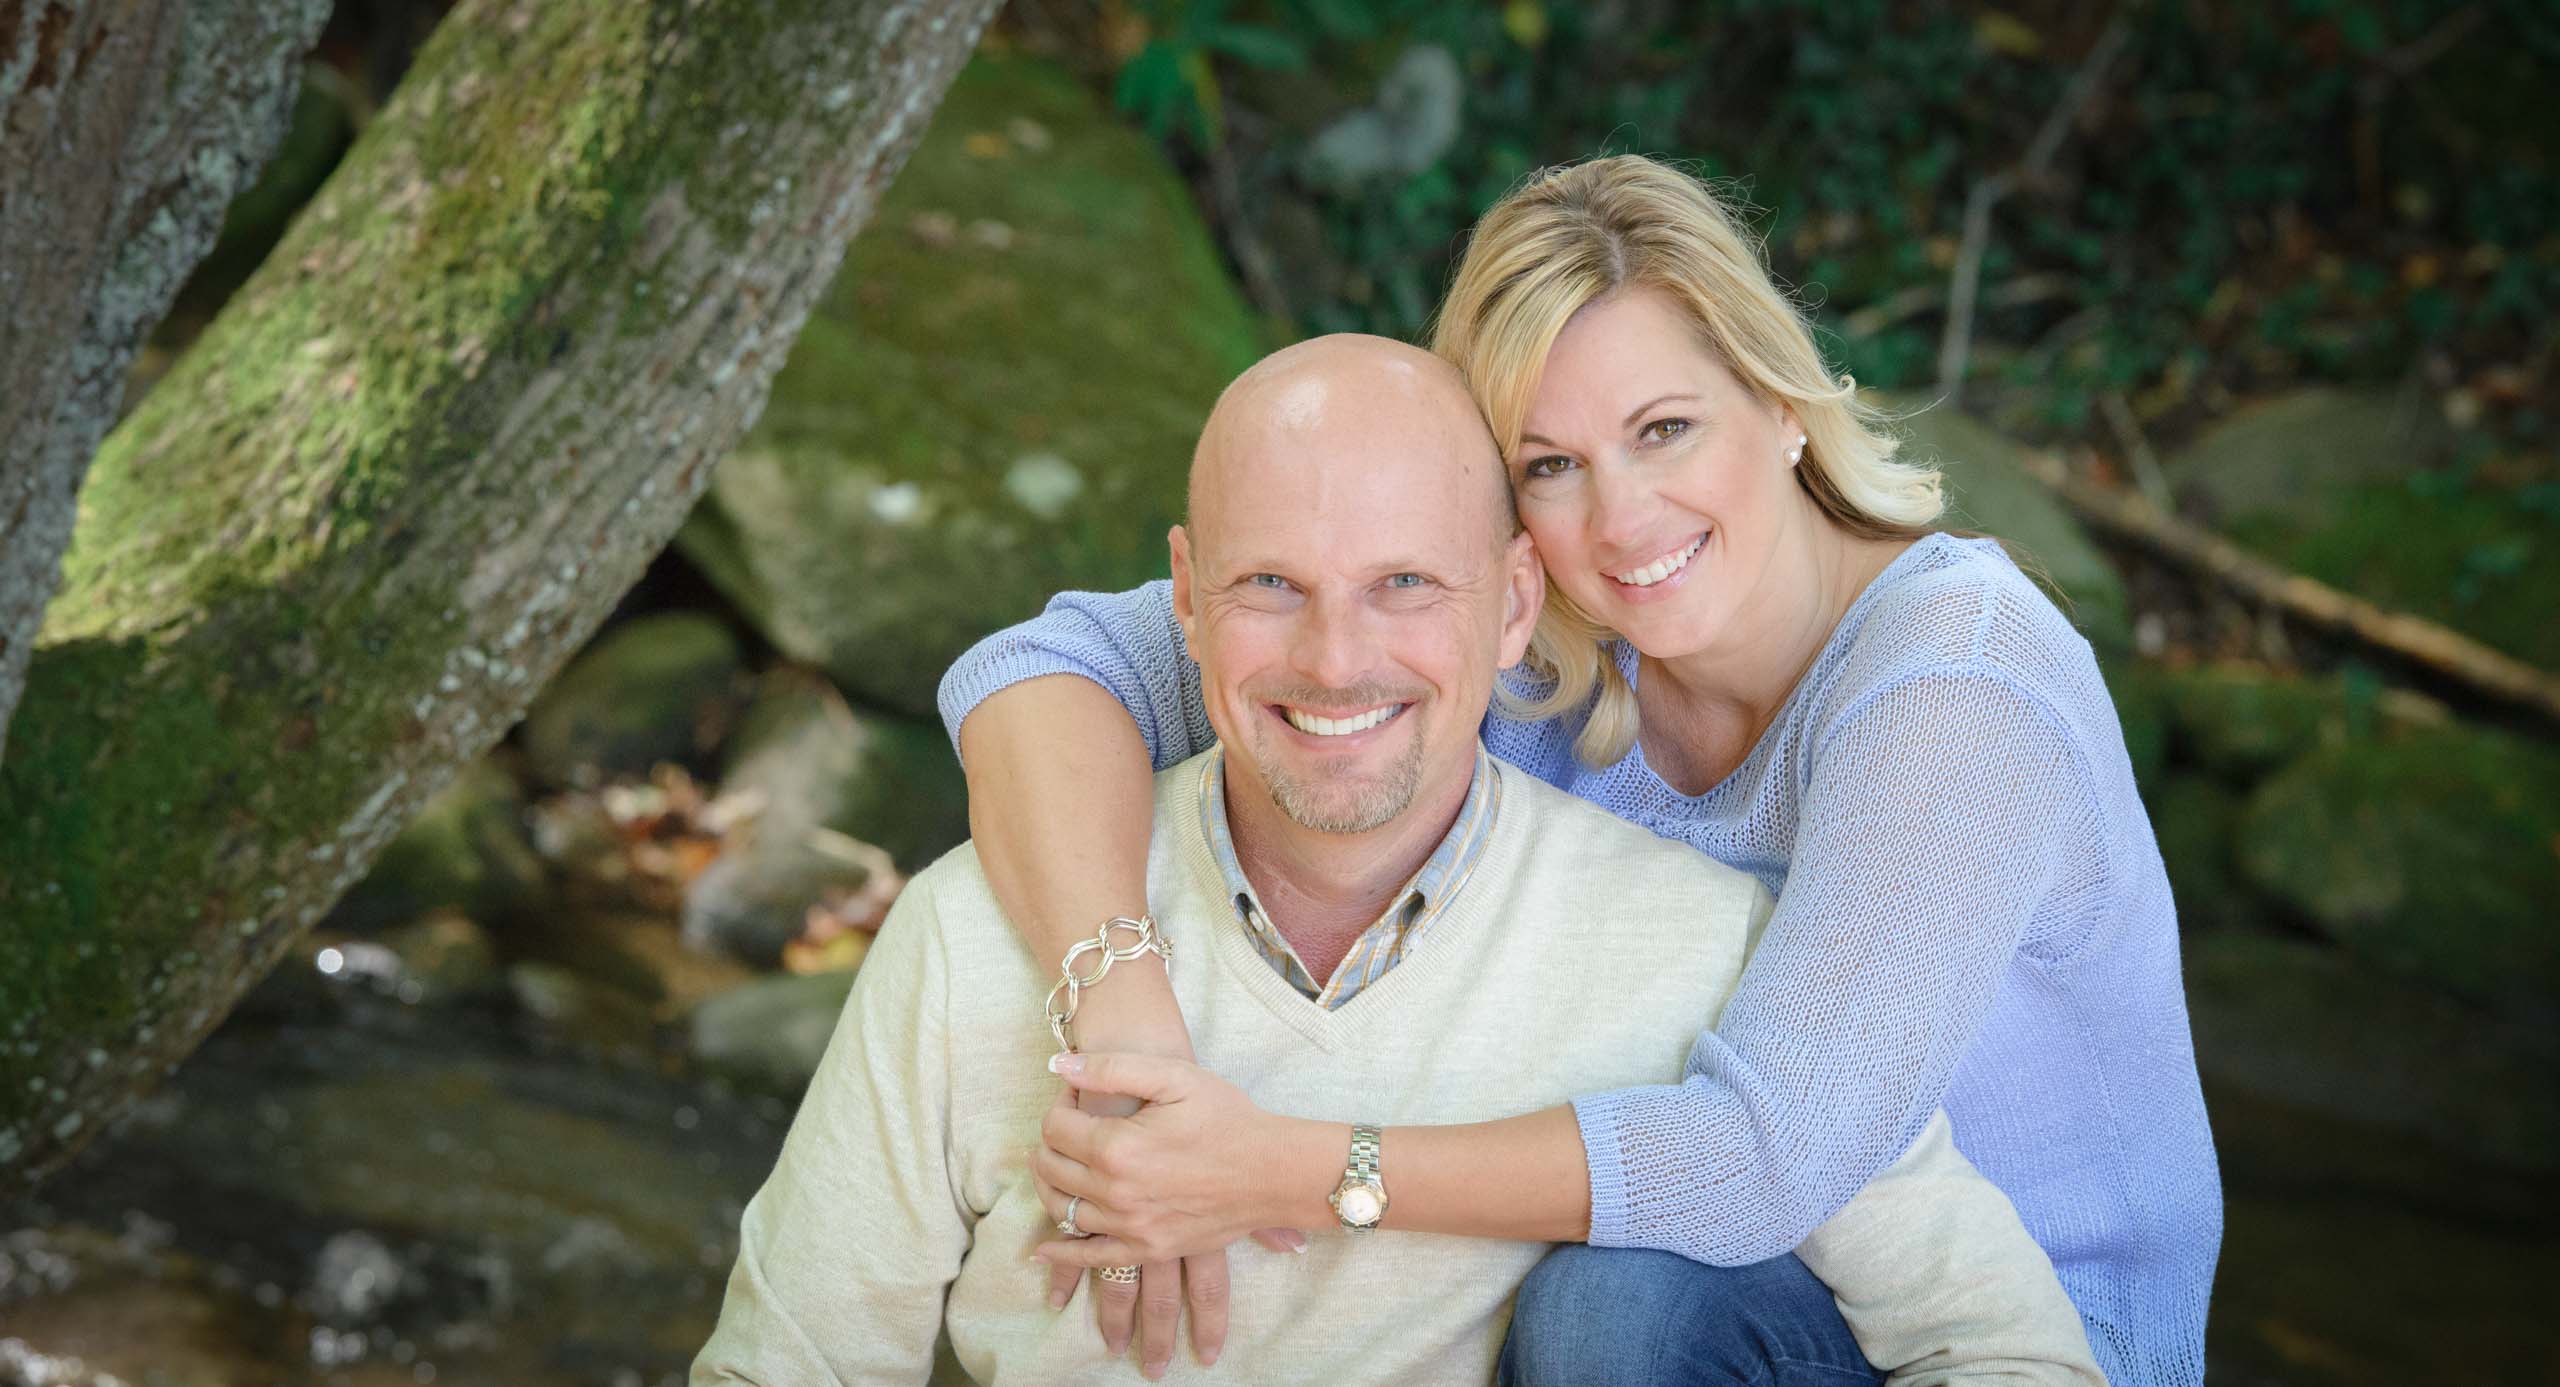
(2287, 272)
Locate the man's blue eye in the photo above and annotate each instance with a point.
(1406, 580)
(1267, 580)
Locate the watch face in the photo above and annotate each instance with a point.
(1359, 1204)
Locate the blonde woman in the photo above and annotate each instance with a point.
(1756, 644)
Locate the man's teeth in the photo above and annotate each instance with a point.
(1340, 727)
(1661, 568)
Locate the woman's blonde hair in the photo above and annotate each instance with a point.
(1571, 235)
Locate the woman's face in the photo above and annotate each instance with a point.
(1659, 490)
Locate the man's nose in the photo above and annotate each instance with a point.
(1335, 647)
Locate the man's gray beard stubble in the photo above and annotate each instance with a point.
(1372, 804)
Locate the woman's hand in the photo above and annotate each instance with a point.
(1195, 1169)
(1150, 1311)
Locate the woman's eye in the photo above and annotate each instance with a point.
(1546, 467)
(1663, 430)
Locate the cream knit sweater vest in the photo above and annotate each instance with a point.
(1582, 953)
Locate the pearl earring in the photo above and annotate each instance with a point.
(1796, 454)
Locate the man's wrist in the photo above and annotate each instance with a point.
(1307, 1166)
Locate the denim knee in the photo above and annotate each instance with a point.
(1608, 1316)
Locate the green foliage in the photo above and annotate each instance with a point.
(1169, 83)
(2256, 192)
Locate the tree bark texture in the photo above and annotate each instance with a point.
(125, 128)
(331, 557)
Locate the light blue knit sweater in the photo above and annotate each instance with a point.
(1971, 912)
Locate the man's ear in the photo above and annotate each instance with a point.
(1524, 596)
(1184, 615)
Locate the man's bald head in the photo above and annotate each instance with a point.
(1350, 580)
(1328, 393)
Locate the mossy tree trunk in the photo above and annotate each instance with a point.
(125, 129)
(409, 469)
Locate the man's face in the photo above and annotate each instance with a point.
(1349, 586)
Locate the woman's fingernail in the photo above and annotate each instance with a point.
(1066, 1064)
(1058, 1300)
(1209, 1359)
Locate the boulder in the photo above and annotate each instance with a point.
(811, 759)
(445, 958)
(2195, 820)
(2295, 455)
(581, 1010)
(2436, 853)
(2241, 723)
(2348, 487)
(770, 1034)
(655, 688)
(1988, 489)
(2301, 1024)
(996, 400)
(756, 897)
(466, 851)
(2135, 685)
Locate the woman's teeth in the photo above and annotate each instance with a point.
(1661, 568)
(1339, 727)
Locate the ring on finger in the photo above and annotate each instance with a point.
(1067, 1225)
(1118, 1276)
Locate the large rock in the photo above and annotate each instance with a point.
(2345, 487)
(756, 897)
(2436, 853)
(997, 399)
(466, 851)
(1988, 489)
(2295, 454)
(646, 691)
(813, 760)
(2195, 821)
(770, 1034)
(2304, 1025)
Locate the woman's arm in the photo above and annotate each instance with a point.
(1943, 811)
(1060, 807)
(1058, 722)
(1201, 1165)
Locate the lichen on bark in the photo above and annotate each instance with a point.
(128, 129)
(409, 469)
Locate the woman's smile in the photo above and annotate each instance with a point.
(1664, 567)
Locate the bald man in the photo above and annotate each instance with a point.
(1374, 917)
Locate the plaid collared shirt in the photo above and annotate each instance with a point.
(1383, 945)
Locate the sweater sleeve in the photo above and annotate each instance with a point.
(1941, 813)
(845, 1254)
(1940, 1283)
(1128, 642)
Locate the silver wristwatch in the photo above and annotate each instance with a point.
(1361, 1199)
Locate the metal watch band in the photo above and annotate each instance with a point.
(1366, 1147)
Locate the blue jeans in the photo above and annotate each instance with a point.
(1600, 1317)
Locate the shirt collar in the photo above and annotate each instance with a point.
(1431, 888)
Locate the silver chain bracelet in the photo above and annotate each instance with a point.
(1144, 938)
